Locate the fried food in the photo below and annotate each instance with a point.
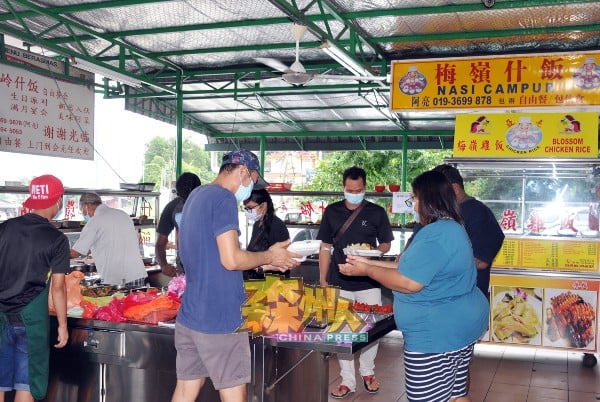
(359, 246)
(572, 319)
(96, 291)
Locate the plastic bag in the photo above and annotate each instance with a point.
(111, 312)
(72, 283)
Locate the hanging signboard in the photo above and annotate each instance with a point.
(515, 135)
(548, 312)
(506, 82)
(43, 115)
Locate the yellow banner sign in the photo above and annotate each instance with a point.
(506, 82)
(549, 254)
(516, 135)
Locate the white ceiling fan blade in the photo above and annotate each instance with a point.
(350, 77)
(273, 63)
(261, 81)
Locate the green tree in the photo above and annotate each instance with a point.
(382, 167)
(159, 160)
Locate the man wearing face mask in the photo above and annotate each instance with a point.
(205, 332)
(353, 221)
(111, 237)
(32, 251)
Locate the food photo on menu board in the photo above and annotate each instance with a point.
(517, 315)
(570, 320)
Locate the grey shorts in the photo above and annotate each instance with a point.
(225, 358)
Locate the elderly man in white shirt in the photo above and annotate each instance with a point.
(110, 235)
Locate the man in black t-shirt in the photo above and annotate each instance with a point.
(169, 220)
(371, 226)
(32, 251)
(482, 227)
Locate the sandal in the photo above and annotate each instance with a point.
(341, 392)
(371, 384)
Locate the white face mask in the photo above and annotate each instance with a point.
(253, 215)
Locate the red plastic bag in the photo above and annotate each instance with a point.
(89, 309)
(111, 312)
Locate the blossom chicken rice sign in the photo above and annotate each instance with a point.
(517, 135)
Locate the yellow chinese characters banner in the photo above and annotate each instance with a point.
(516, 135)
(505, 82)
(547, 312)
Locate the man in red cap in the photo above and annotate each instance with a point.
(31, 252)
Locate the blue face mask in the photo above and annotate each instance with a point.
(354, 198)
(415, 213)
(243, 192)
(86, 218)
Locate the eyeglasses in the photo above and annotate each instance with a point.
(410, 201)
(248, 209)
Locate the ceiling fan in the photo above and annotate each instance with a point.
(296, 73)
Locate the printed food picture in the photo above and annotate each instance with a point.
(570, 319)
(516, 315)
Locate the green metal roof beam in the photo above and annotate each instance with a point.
(299, 15)
(337, 146)
(313, 89)
(308, 121)
(227, 49)
(355, 133)
(37, 39)
(486, 34)
(408, 11)
(383, 108)
(189, 122)
(284, 119)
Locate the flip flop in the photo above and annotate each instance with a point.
(369, 381)
(342, 392)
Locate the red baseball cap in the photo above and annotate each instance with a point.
(44, 191)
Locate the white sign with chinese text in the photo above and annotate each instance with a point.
(399, 202)
(42, 115)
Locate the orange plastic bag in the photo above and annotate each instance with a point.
(162, 308)
(72, 281)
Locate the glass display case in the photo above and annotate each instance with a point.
(141, 206)
(545, 279)
(301, 211)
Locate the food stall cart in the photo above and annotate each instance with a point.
(546, 278)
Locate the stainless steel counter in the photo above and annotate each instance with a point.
(114, 362)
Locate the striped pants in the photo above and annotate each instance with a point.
(437, 377)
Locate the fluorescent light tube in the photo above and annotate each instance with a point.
(108, 73)
(345, 60)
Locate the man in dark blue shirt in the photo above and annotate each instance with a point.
(482, 227)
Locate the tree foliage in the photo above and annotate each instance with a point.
(382, 167)
(159, 160)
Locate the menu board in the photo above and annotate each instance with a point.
(546, 312)
(508, 256)
(549, 254)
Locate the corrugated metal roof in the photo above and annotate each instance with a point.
(213, 46)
